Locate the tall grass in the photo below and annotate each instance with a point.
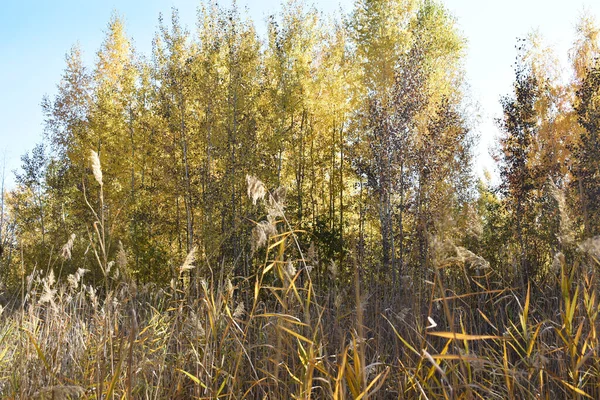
(275, 335)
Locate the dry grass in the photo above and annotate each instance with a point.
(274, 335)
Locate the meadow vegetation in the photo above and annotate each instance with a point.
(297, 216)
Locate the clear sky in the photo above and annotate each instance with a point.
(36, 34)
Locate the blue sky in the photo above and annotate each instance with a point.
(36, 34)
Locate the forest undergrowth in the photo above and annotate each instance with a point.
(464, 335)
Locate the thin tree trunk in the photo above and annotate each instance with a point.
(401, 223)
(132, 161)
(584, 209)
(43, 226)
(188, 196)
(341, 227)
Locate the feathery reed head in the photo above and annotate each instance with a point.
(189, 261)
(591, 246)
(261, 233)
(68, 247)
(276, 203)
(96, 168)
(49, 291)
(60, 393)
(256, 189)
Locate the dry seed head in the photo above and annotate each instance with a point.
(196, 325)
(68, 247)
(356, 340)
(467, 256)
(290, 270)
(338, 301)
(49, 292)
(92, 293)
(239, 310)
(276, 202)
(370, 370)
(109, 267)
(333, 269)
(256, 189)
(75, 278)
(201, 331)
(121, 256)
(229, 287)
(60, 393)
(566, 233)
(261, 233)
(591, 246)
(31, 279)
(48, 295)
(96, 168)
(269, 228)
(189, 261)
(50, 279)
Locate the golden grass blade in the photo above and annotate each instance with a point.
(115, 378)
(193, 378)
(400, 337)
(464, 336)
(338, 384)
(286, 317)
(39, 351)
(268, 268)
(466, 357)
(575, 389)
(381, 376)
(471, 294)
(485, 317)
(296, 335)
